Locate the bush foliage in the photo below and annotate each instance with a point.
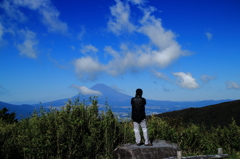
(79, 130)
(7, 117)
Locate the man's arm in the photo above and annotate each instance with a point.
(144, 101)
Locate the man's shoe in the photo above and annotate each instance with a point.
(150, 144)
(139, 144)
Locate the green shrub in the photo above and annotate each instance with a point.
(7, 117)
(79, 130)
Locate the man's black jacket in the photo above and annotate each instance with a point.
(138, 108)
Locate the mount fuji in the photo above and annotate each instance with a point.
(118, 102)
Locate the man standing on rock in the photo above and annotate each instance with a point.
(139, 117)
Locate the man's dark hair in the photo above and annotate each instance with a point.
(139, 92)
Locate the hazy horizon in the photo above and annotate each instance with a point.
(87, 92)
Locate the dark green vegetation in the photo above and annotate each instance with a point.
(7, 117)
(78, 130)
(209, 116)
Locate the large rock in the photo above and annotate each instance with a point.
(160, 149)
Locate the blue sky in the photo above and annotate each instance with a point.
(174, 50)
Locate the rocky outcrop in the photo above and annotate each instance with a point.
(160, 149)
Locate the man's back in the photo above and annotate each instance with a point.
(138, 108)
(139, 118)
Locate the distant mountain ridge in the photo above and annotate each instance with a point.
(110, 93)
(115, 98)
(119, 103)
(20, 110)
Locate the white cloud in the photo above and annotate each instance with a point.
(50, 15)
(81, 33)
(186, 80)
(136, 59)
(140, 2)
(209, 35)
(72, 47)
(152, 28)
(116, 88)
(160, 75)
(232, 85)
(51, 20)
(31, 4)
(127, 59)
(28, 47)
(88, 68)
(163, 49)
(1, 32)
(207, 78)
(166, 48)
(88, 48)
(120, 20)
(112, 52)
(12, 10)
(160, 51)
(86, 91)
(56, 63)
(122, 61)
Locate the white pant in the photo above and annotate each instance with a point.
(143, 124)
